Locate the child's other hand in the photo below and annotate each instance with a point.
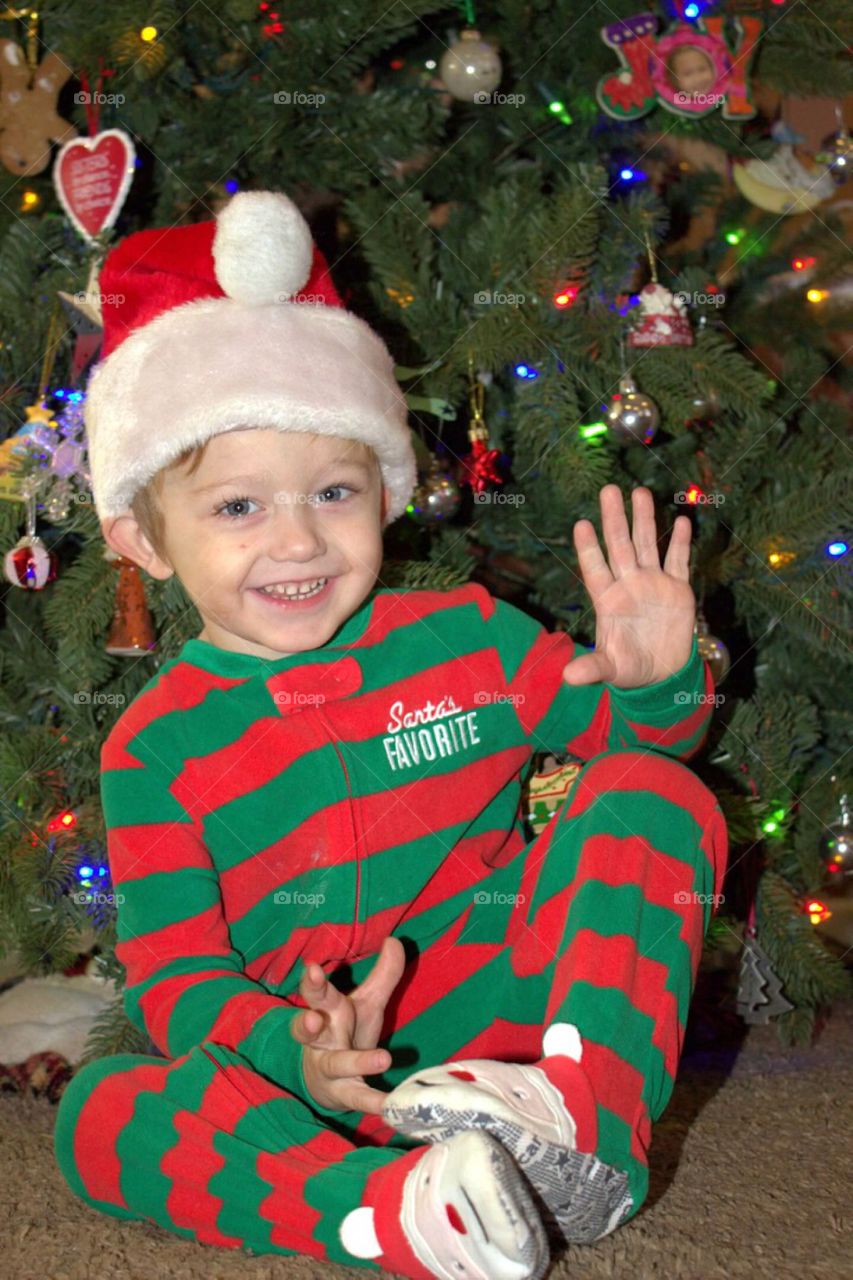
(644, 614)
(339, 1033)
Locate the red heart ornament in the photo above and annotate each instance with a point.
(92, 177)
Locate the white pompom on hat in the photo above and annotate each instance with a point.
(262, 248)
(229, 323)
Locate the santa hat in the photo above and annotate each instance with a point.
(231, 323)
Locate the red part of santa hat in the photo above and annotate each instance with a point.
(233, 323)
(152, 271)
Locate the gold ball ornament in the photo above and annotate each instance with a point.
(713, 651)
(436, 498)
(703, 408)
(632, 416)
(471, 66)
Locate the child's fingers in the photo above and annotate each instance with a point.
(377, 988)
(317, 991)
(307, 1026)
(339, 1064)
(360, 1097)
(677, 559)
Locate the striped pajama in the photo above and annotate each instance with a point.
(264, 815)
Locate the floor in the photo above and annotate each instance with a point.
(750, 1177)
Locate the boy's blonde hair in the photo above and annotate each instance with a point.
(146, 505)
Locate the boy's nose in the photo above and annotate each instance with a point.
(295, 533)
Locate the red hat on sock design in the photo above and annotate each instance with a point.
(229, 323)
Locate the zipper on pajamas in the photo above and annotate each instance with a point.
(358, 844)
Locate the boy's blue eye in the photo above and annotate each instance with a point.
(234, 502)
(337, 488)
(333, 493)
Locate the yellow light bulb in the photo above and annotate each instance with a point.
(148, 33)
(817, 295)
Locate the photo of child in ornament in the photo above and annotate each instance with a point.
(689, 71)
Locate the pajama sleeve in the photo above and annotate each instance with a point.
(185, 983)
(671, 716)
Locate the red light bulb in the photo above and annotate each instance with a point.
(565, 296)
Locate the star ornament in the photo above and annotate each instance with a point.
(39, 413)
(479, 468)
(83, 310)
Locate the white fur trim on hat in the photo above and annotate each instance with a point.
(212, 365)
(262, 248)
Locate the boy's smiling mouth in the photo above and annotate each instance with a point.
(306, 589)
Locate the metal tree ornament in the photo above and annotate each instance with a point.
(436, 497)
(29, 564)
(479, 467)
(836, 841)
(662, 318)
(631, 416)
(837, 152)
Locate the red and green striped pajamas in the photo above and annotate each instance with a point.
(262, 815)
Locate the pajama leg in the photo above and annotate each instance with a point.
(646, 845)
(599, 923)
(214, 1152)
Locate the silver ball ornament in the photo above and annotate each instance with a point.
(632, 416)
(470, 67)
(837, 155)
(703, 408)
(436, 498)
(713, 651)
(836, 842)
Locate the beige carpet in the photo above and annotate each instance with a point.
(750, 1177)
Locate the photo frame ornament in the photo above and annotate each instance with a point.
(647, 77)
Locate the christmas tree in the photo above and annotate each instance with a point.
(590, 268)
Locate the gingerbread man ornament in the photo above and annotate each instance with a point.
(28, 118)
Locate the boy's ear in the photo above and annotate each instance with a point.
(386, 502)
(123, 534)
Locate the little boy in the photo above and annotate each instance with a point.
(690, 70)
(313, 813)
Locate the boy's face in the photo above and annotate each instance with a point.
(692, 70)
(266, 507)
